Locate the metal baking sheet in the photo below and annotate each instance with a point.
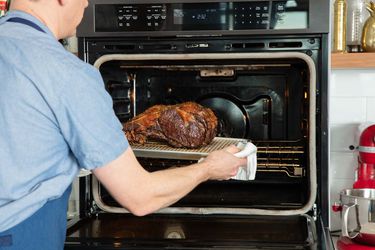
(164, 151)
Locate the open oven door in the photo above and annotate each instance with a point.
(117, 231)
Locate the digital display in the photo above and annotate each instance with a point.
(290, 14)
(215, 16)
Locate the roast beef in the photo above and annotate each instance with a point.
(188, 125)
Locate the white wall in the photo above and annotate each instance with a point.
(352, 102)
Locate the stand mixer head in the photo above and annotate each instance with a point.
(366, 159)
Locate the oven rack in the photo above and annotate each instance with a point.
(156, 149)
(285, 157)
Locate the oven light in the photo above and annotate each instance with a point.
(174, 232)
(117, 244)
(305, 95)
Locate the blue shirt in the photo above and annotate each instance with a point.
(55, 118)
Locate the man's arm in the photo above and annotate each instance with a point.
(142, 192)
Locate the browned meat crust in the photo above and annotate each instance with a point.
(188, 125)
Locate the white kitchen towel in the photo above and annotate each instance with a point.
(247, 172)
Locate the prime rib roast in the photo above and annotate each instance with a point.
(187, 125)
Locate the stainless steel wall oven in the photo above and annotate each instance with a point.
(261, 66)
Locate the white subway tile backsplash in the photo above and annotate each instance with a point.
(343, 165)
(347, 110)
(352, 83)
(335, 220)
(342, 136)
(352, 103)
(370, 109)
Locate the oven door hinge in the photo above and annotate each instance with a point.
(94, 209)
(315, 212)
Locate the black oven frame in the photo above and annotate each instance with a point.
(313, 45)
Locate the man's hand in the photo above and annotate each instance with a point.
(222, 164)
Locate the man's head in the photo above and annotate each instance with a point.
(61, 16)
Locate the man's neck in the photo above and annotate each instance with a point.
(49, 22)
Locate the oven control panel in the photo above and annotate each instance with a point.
(280, 14)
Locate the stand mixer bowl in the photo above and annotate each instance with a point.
(358, 215)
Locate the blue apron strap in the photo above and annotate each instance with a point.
(26, 22)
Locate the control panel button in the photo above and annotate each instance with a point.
(280, 7)
(232, 15)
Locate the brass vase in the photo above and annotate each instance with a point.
(339, 26)
(368, 33)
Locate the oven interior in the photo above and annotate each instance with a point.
(265, 101)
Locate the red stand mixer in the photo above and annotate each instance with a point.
(360, 199)
(366, 159)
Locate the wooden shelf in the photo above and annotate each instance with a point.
(352, 60)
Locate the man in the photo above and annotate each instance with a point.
(56, 117)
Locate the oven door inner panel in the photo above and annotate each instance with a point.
(114, 231)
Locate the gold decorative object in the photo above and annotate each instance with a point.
(339, 26)
(368, 33)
